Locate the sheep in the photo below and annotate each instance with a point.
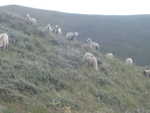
(28, 16)
(50, 28)
(129, 60)
(147, 72)
(109, 55)
(59, 30)
(56, 26)
(33, 20)
(76, 34)
(4, 40)
(55, 29)
(70, 36)
(30, 19)
(91, 60)
(93, 44)
(89, 40)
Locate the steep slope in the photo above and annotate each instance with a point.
(42, 72)
(123, 35)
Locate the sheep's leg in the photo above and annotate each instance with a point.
(145, 74)
(96, 66)
(88, 64)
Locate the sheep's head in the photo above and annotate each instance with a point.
(89, 40)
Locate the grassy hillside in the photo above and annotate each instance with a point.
(124, 35)
(42, 72)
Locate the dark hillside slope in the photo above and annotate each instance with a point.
(123, 35)
(42, 72)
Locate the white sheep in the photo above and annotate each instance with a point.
(91, 60)
(129, 61)
(89, 40)
(59, 30)
(109, 55)
(147, 72)
(49, 27)
(33, 20)
(28, 16)
(76, 34)
(56, 29)
(93, 44)
(70, 36)
(4, 40)
(30, 19)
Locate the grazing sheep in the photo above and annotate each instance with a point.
(54, 28)
(76, 34)
(4, 40)
(50, 28)
(28, 16)
(70, 36)
(147, 72)
(91, 60)
(30, 19)
(93, 44)
(89, 40)
(129, 61)
(33, 20)
(109, 55)
(59, 30)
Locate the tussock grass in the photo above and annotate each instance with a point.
(45, 73)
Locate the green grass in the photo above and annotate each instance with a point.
(45, 73)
